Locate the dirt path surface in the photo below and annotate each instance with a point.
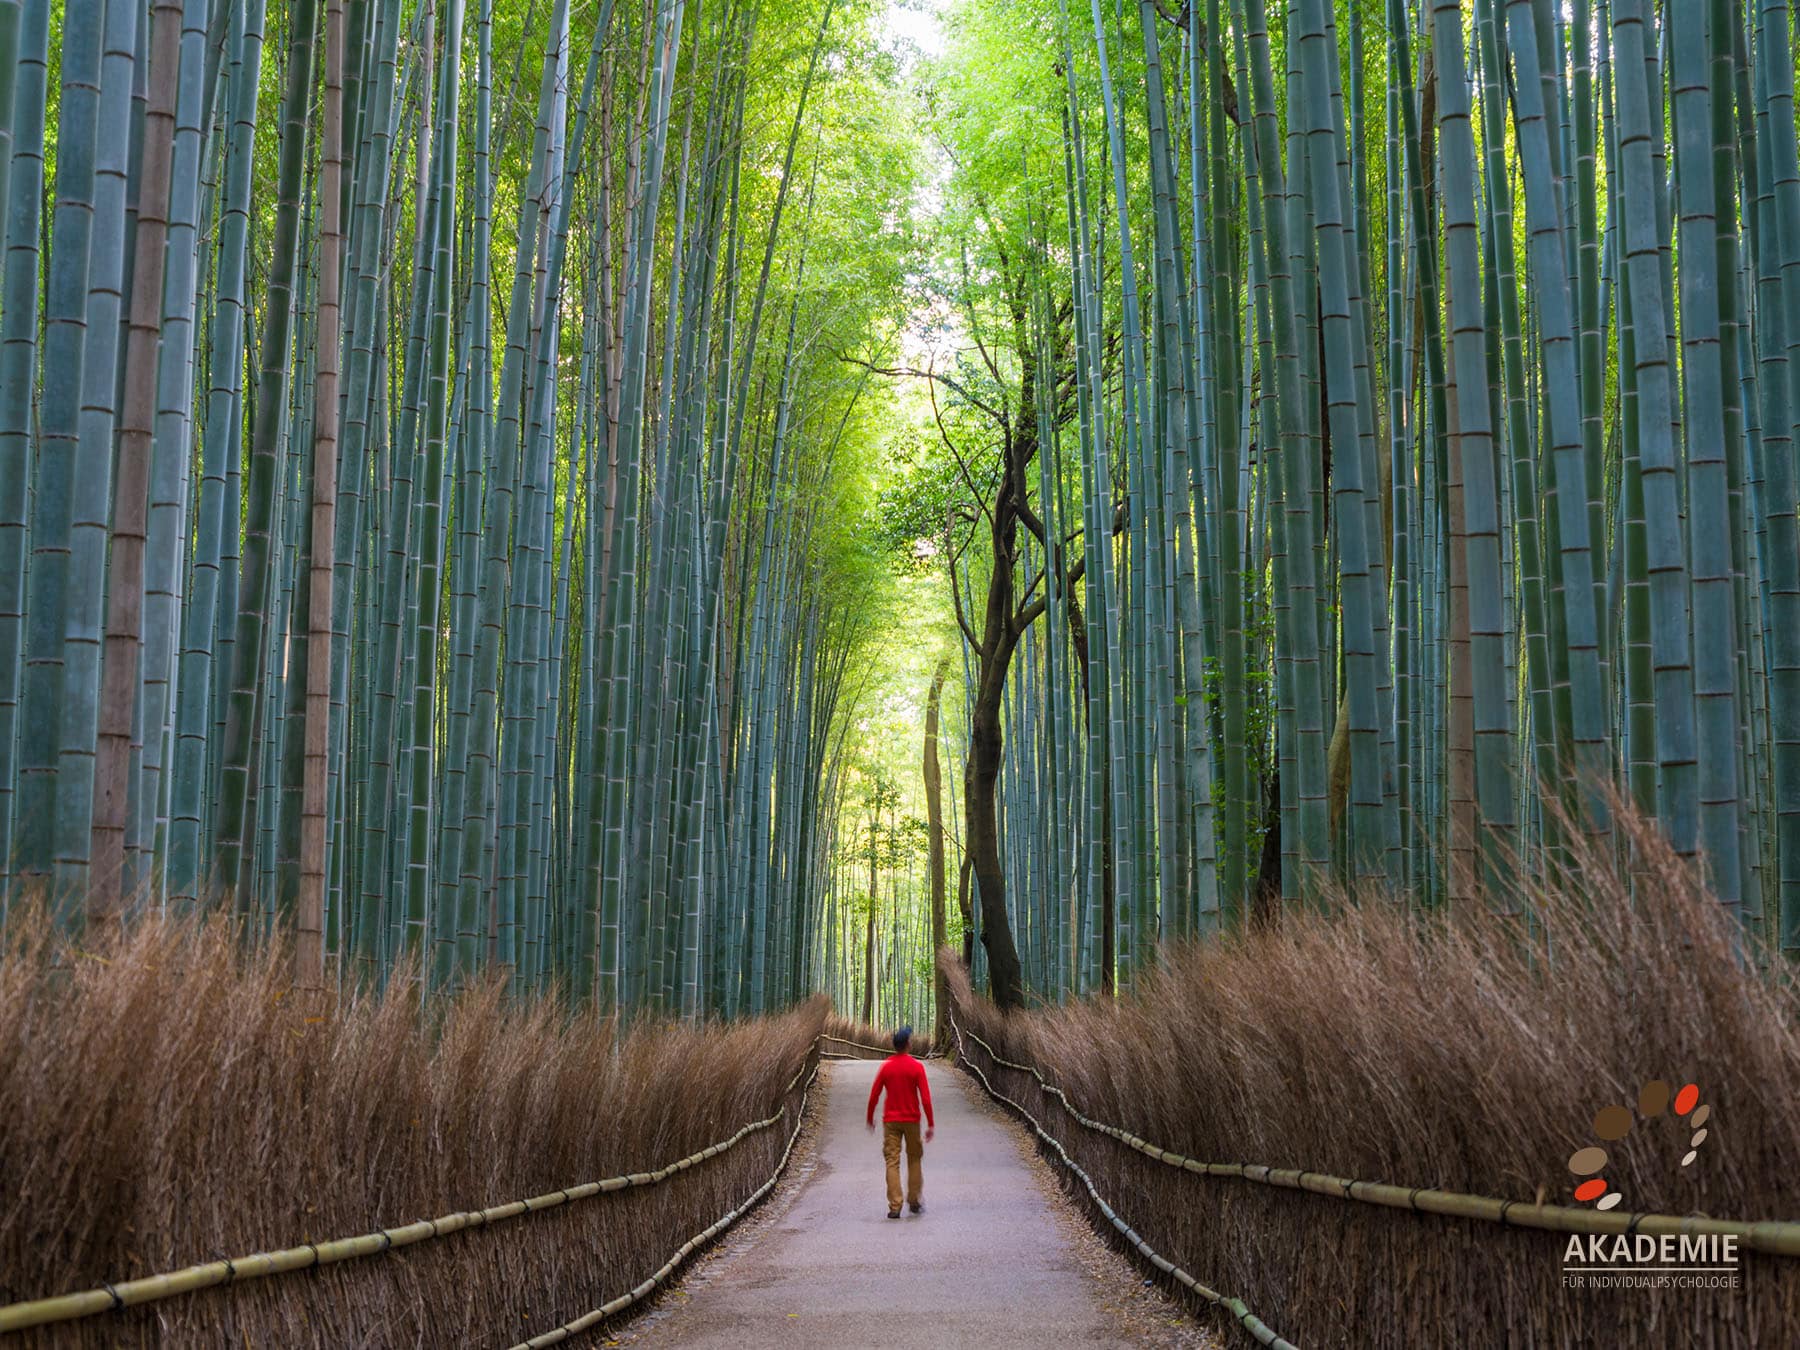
(996, 1260)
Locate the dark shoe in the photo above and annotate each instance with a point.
(893, 1214)
(918, 1206)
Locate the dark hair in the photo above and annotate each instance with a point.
(902, 1038)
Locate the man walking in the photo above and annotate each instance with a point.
(904, 1078)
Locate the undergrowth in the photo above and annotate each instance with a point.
(1467, 1051)
(859, 1040)
(170, 1101)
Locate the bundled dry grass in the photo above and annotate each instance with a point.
(168, 1103)
(1452, 1054)
(859, 1040)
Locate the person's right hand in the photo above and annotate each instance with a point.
(930, 1130)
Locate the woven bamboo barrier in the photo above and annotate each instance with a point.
(258, 1265)
(687, 1249)
(1773, 1238)
(1251, 1323)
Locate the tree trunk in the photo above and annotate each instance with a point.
(1265, 894)
(962, 904)
(981, 780)
(868, 1005)
(1001, 629)
(934, 816)
(124, 617)
(1108, 899)
(315, 782)
(1461, 765)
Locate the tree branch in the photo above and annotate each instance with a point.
(1029, 615)
(955, 454)
(954, 386)
(962, 620)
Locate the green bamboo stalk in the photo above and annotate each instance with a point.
(19, 310)
(1678, 791)
(51, 500)
(256, 581)
(1577, 620)
(1718, 725)
(1493, 734)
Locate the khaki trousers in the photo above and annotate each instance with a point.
(893, 1134)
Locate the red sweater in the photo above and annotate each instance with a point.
(904, 1078)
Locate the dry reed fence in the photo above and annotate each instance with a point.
(168, 1103)
(1447, 1055)
(847, 1038)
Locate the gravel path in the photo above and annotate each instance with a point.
(998, 1259)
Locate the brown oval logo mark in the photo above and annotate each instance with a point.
(1614, 1122)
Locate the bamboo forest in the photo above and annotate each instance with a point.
(529, 523)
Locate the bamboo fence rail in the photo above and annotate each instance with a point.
(872, 1049)
(152, 1288)
(1770, 1238)
(1244, 1317)
(687, 1249)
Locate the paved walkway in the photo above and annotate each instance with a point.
(988, 1264)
